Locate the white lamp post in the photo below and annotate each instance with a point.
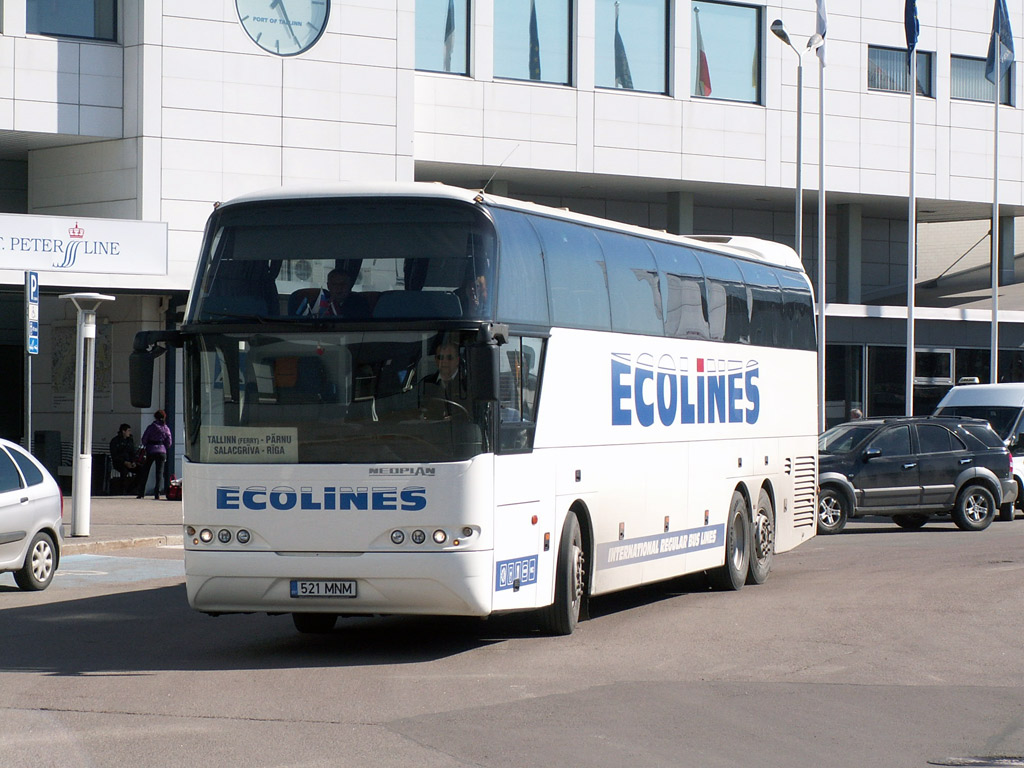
(85, 369)
(813, 43)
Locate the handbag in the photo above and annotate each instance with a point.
(141, 458)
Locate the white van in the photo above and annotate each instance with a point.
(1002, 405)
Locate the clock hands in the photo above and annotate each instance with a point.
(279, 5)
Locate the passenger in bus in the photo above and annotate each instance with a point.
(442, 394)
(338, 300)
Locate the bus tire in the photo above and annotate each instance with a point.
(562, 616)
(733, 574)
(762, 540)
(314, 623)
(975, 508)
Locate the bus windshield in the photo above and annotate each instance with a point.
(346, 259)
(332, 397)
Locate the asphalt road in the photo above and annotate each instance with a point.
(878, 647)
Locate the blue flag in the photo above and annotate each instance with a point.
(1001, 44)
(534, 43)
(911, 24)
(623, 77)
(449, 36)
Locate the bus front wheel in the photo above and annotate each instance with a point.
(562, 616)
(733, 574)
(314, 623)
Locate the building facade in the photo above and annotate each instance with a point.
(672, 114)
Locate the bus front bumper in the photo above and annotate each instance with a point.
(448, 583)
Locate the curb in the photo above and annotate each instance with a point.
(91, 547)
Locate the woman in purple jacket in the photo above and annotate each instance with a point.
(156, 441)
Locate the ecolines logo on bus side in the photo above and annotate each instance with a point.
(716, 391)
(411, 498)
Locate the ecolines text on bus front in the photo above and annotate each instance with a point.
(683, 390)
(411, 498)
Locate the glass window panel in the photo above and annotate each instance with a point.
(442, 36)
(10, 480)
(92, 19)
(576, 274)
(798, 307)
(728, 310)
(725, 52)
(631, 41)
(531, 40)
(967, 81)
(686, 304)
(519, 377)
(889, 70)
(522, 287)
(935, 439)
(765, 300)
(32, 473)
(633, 285)
(893, 442)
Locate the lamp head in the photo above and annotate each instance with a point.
(779, 30)
(815, 41)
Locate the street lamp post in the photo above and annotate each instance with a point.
(814, 42)
(81, 454)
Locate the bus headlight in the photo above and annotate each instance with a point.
(223, 535)
(397, 537)
(418, 536)
(440, 537)
(206, 535)
(242, 536)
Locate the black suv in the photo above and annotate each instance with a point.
(912, 467)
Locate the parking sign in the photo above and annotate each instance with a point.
(32, 312)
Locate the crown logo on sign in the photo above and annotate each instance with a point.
(76, 232)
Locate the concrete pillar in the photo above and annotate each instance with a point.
(849, 254)
(679, 217)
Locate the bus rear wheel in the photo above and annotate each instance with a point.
(762, 540)
(562, 616)
(314, 623)
(733, 574)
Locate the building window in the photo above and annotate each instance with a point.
(889, 70)
(967, 81)
(442, 36)
(532, 40)
(725, 52)
(631, 44)
(90, 19)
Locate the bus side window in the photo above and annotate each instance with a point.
(682, 285)
(577, 282)
(518, 369)
(522, 286)
(634, 288)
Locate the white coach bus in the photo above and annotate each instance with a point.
(418, 399)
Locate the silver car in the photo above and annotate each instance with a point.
(31, 507)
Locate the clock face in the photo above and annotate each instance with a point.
(283, 27)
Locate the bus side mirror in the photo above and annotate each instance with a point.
(145, 351)
(483, 371)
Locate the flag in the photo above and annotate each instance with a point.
(623, 78)
(911, 26)
(703, 85)
(821, 25)
(1002, 41)
(534, 43)
(449, 36)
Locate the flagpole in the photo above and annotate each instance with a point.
(995, 230)
(821, 245)
(911, 234)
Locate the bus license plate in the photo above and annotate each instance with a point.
(334, 588)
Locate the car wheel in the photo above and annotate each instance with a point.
(40, 564)
(833, 509)
(733, 575)
(910, 522)
(762, 543)
(975, 508)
